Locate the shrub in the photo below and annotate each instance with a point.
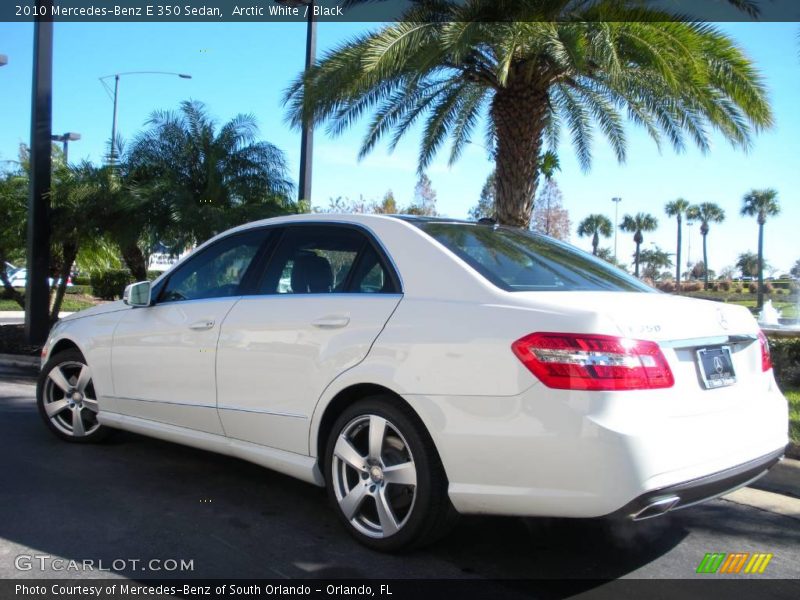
(786, 360)
(752, 288)
(666, 286)
(110, 284)
(693, 286)
(725, 285)
(85, 290)
(780, 292)
(81, 280)
(152, 275)
(768, 288)
(737, 289)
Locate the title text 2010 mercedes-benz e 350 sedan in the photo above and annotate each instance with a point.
(421, 368)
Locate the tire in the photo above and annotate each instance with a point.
(64, 392)
(386, 506)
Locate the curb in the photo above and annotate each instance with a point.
(783, 478)
(20, 361)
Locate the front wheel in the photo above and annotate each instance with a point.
(385, 478)
(67, 400)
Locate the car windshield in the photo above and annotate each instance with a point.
(523, 261)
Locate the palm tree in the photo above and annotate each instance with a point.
(747, 263)
(636, 225)
(677, 208)
(530, 69)
(595, 226)
(201, 179)
(761, 204)
(706, 213)
(654, 260)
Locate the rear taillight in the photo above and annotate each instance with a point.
(766, 358)
(569, 361)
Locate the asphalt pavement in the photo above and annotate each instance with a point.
(135, 498)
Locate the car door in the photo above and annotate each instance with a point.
(324, 297)
(163, 355)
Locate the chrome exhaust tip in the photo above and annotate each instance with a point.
(656, 508)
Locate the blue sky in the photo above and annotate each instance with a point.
(244, 68)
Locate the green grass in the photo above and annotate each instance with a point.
(793, 396)
(70, 304)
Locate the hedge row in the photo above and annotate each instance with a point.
(110, 284)
(786, 360)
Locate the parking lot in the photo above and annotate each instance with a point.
(137, 499)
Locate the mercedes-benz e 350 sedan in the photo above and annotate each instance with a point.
(420, 368)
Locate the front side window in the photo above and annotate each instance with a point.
(326, 259)
(217, 271)
(522, 261)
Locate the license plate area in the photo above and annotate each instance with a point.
(716, 367)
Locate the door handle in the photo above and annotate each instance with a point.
(334, 322)
(202, 324)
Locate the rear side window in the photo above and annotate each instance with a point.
(523, 261)
(323, 260)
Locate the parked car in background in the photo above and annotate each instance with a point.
(18, 277)
(423, 367)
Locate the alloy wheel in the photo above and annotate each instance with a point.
(69, 399)
(374, 476)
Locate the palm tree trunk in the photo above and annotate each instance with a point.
(678, 259)
(705, 263)
(134, 259)
(69, 252)
(760, 266)
(519, 113)
(595, 243)
(636, 260)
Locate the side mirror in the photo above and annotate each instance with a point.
(137, 294)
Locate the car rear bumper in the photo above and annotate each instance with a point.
(566, 454)
(688, 493)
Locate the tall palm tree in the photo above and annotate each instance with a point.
(529, 69)
(706, 213)
(761, 204)
(202, 179)
(595, 226)
(677, 208)
(637, 225)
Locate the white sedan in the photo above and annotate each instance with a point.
(421, 368)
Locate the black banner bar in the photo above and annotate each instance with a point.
(196, 11)
(708, 588)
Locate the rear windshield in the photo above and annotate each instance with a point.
(522, 261)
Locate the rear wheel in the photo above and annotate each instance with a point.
(385, 478)
(67, 400)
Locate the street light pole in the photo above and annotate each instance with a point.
(114, 121)
(37, 292)
(65, 139)
(115, 96)
(616, 200)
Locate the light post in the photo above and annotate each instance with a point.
(616, 200)
(116, 77)
(307, 131)
(689, 249)
(65, 139)
(37, 288)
